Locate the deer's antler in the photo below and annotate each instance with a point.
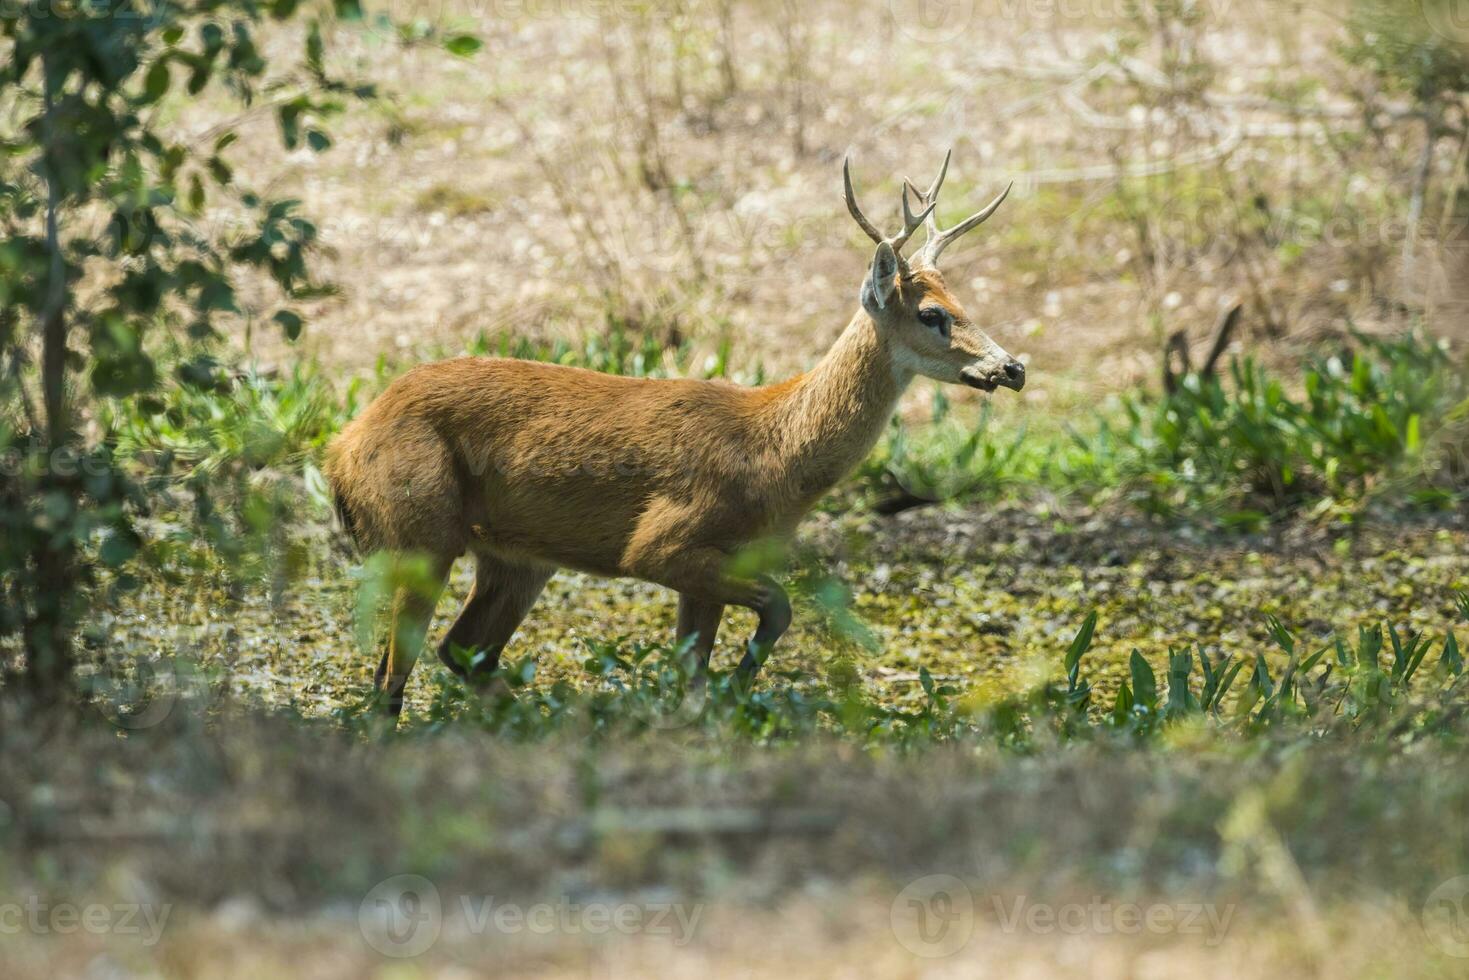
(911, 222)
(941, 238)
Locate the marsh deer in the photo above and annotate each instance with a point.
(532, 467)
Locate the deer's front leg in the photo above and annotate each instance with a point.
(699, 574)
(700, 620)
(766, 598)
(774, 609)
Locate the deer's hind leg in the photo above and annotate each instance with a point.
(412, 609)
(504, 592)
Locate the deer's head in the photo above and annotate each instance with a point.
(926, 327)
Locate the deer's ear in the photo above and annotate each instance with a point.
(882, 279)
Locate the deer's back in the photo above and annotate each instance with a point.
(550, 462)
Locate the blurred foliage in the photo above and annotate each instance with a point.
(1413, 52)
(84, 85)
(641, 350)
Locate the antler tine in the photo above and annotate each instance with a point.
(933, 191)
(931, 198)
(938, 240)
(931, 195)
(856, 212)
(911, 222)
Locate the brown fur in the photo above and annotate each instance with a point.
(532, 466)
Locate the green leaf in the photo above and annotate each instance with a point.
(1280, 634)
(290, 323)
(1413, 656)
(1226, 682)
(314, 48)
(1144, 681)
(289, 116)
(1314, 659)
(1122, 707)
(1451, 661)
(155, 83)
(117, 548)
(463, 45)
(1260, 681)
(1079, 645)
(199, 77)
(122, 374)
(317, 140)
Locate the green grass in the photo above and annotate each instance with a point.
(1382, 422)
(1380, 682)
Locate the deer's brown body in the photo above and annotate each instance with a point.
(531, 467)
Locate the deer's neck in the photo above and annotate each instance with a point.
(827, 420)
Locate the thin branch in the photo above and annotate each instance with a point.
(53, 318)
(1421, 177)
(1223, 333)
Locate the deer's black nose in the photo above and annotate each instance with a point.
(1015, 374)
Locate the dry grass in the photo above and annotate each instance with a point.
(843, 936)
(266, 838)
(586, 164)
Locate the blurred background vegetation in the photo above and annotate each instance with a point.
(1223, 530)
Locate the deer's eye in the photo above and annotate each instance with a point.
(934, 318)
